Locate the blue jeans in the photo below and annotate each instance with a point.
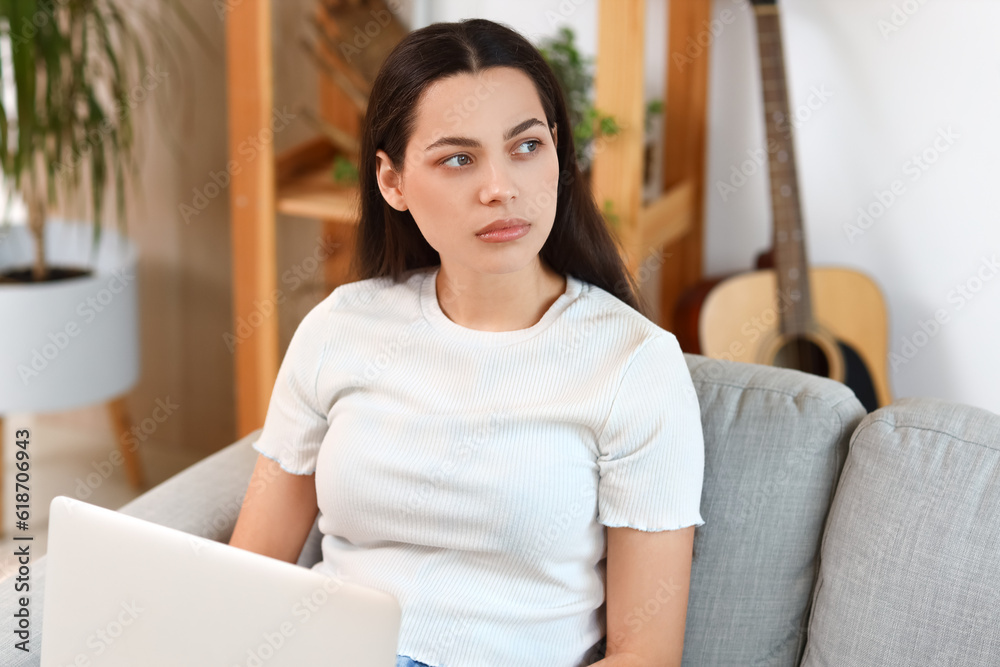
(406, 661)
(595, 654)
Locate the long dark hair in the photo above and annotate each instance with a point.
(389, 242)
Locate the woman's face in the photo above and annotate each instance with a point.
(480, 151)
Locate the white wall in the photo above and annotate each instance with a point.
(892, 81)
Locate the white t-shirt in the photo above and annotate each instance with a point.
(471, 473)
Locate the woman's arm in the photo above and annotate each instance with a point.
(278, 512)
(648, 577)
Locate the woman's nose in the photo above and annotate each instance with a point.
(498, 184)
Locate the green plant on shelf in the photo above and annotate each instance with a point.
(575, 75)
(344, 171)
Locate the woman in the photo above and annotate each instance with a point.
(487, 413)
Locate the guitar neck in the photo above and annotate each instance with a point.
(790, 262)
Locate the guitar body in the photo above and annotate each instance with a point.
(847, 339)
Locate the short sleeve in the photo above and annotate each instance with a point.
(296, 423)
(651, 450)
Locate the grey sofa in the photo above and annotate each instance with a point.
(832, 537)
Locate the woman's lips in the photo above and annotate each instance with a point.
(505, 234)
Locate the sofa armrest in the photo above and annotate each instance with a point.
(204, 499)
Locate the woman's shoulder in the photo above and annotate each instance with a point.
(601, 311)
(375, 298)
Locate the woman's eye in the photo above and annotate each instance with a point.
(532, 141)
(455, 157)
(463, 155)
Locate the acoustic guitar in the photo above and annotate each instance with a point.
(825, 321)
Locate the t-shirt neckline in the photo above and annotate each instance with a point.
(454, 331)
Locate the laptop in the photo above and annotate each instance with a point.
(125, 592)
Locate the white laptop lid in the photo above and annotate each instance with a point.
(124, 592)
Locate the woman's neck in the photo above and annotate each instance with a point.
(498, 302)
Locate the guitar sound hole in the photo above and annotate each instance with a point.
(802, 354)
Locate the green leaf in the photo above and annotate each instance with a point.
(73, 65)
(344, 171)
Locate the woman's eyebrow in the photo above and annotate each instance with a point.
(465, 142)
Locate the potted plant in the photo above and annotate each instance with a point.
(575, 76)
(78, 69)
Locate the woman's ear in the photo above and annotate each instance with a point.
(389, 181)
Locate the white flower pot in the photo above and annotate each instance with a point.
(68, 343)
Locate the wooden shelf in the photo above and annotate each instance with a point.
(672, 224)
(315, 195)
(305, 186)
(663, 221)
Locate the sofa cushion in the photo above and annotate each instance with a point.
(910, 563)
(775, 442)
